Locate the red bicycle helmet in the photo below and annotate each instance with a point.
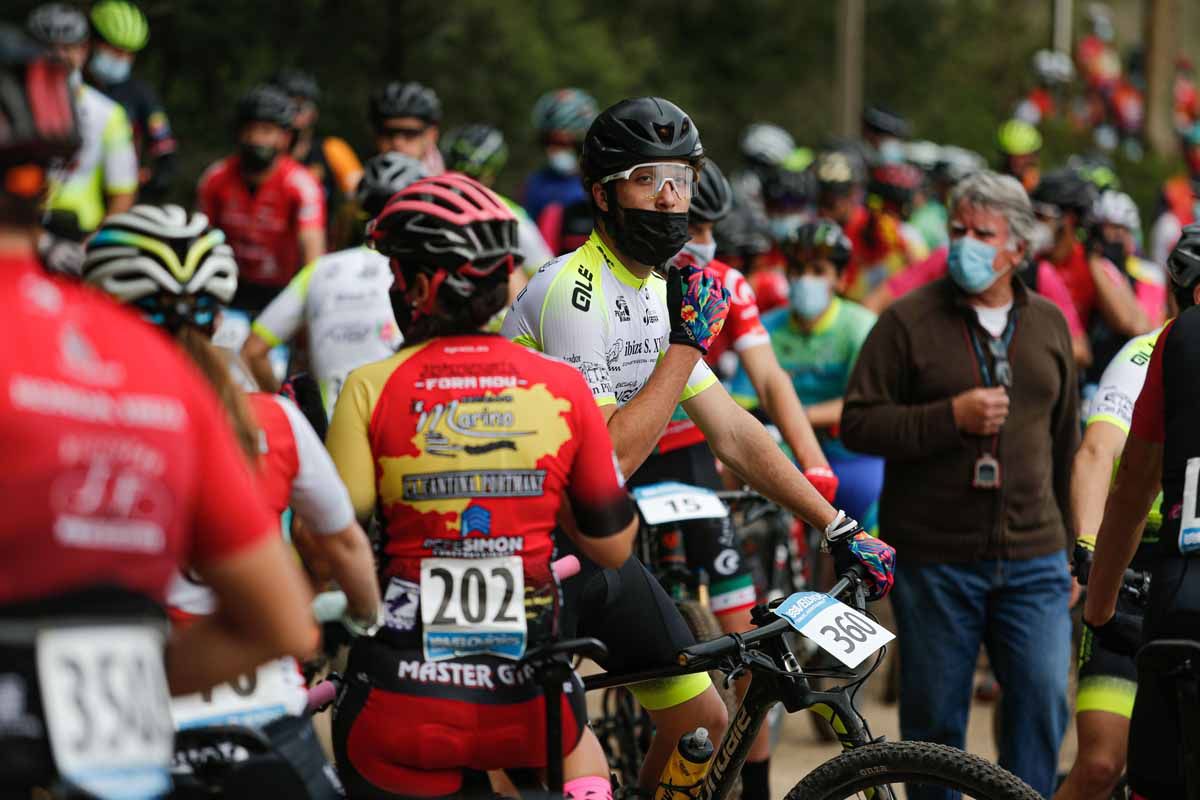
(450, 227)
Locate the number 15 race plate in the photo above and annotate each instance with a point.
(660, 503)
(105, 696)
(839, 630)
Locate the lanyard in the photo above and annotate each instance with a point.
(1005, 339)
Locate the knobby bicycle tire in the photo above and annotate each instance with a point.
(896, 763)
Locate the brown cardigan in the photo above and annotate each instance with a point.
(916, 358)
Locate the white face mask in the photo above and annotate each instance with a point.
(703, 253)
(564, 162)
(108, 68)
(809, 296)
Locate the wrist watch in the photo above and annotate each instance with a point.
(360, 627)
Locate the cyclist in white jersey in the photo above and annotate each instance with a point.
(638, 341)
(341, 299)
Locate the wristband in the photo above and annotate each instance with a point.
(360, 627)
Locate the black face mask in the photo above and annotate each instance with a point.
(650, 237)
(256, 157)
(1114, 252)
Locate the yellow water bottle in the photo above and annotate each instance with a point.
(686, 769)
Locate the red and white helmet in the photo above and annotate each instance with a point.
(450, 227)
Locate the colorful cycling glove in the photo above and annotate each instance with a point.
(698, 303)
(876, 556)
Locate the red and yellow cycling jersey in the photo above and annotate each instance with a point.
(466, 444)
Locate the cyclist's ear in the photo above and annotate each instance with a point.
(599, 196)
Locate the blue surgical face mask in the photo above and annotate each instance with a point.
(703, 253)
(107, 68)
(970, 263)
(809, 296)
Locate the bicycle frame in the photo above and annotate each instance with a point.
(776, 676)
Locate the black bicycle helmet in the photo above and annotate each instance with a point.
(266, 103)
(383, 176)
(37, 115)
(884, 121)
(58, 23)
(713, 197)
(636, 131)
(476, 150)
(1183, 265)
(1067, 190)
(298, 83)
(895, 183)
(405, 99)
(821, 238)
(743, 232)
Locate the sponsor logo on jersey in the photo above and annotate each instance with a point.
(622, 309)
(475, 546)
(470, 483)
(648, 316)
(476, 520)
(469, 676)
(401, 602)
(613, 355)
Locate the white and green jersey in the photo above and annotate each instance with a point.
(588, 309)
(342, 301)
(105, 164)
(1121, 383)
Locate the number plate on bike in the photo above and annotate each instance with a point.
(473, 607)
(274, 690)
(104, 692)
(661, 503)
(848, 635)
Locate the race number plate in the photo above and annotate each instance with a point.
(473, 606)
(1189, 521)
(846, 634)
(661, 503)
(273, 690)
(105, 697)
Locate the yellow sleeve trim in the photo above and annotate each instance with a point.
(1115, 421)
(606, 400)
(691, 391)
(261, 331)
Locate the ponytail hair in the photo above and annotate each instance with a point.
(208, 359)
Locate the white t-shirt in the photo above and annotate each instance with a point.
(993, 319)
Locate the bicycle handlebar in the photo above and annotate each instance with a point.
(729, 643)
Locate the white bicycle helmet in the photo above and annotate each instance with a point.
(1117, 208)
(174, 266)
(767, 144)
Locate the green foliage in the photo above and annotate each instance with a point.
(955, 67)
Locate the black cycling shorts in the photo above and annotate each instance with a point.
(1155, 767)
(1107, 679)
(710, 544)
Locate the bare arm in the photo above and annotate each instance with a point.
(120, 203)
(263, 614)
(255, 352)
(1091, 475)
(827, 414)
(739, 440)
(636, 426)
(1116, 301)
(517, 280)
(1137, 483)
(778, 397)
(345, 557)
(312, 244)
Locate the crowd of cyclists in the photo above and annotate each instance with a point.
(325, 347)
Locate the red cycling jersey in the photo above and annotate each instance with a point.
(121, 463)
(263, 226)
(279, 459)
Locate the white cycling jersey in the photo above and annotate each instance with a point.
(588, 309)
(1122, 382)
(342, 301)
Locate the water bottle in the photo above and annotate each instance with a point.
(686, 769)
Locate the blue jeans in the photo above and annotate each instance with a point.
(1018, 610)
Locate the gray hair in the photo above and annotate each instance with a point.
(1000, 193)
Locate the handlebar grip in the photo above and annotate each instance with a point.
(565, 567)
(321, 695)
(705, 650)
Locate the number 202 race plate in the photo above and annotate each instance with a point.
(104, 691)
(473, 607)
(838, 629)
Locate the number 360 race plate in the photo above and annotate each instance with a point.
(839, 630)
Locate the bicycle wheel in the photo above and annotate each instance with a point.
(905, 766)
(624, 730)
